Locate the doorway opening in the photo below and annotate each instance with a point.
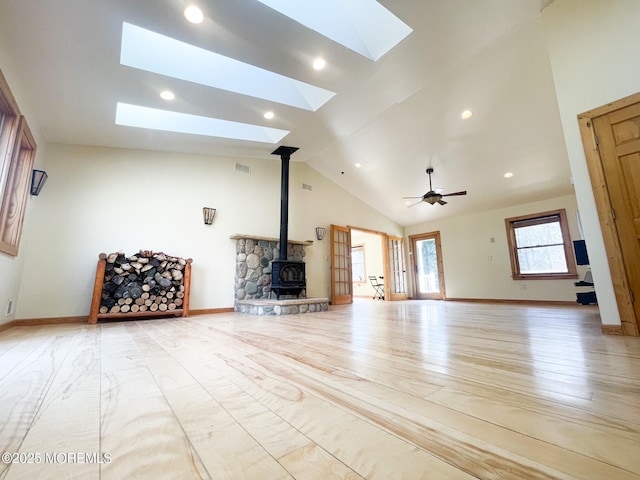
(381, 257)
(367, 260)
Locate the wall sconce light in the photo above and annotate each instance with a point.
(208, 214)
(38, 177)
(319, 233)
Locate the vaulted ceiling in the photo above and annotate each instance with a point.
(395, 116)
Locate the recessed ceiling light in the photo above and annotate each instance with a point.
(319, 63)
(193, 14)
(167, 95)
(358, 165)
(269, 115)
(508, 175)
(466, 114)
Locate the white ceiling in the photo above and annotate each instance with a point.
(395, 116)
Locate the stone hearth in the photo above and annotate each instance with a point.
(282, 307)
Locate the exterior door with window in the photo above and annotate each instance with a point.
(427, 266)
(341, 278)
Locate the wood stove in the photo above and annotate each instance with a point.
(287, 276)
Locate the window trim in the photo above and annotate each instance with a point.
(537, 219)
(17, 155)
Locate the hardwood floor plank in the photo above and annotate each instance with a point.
(376, 390)
(68, 419)
(139, 429)
(313, 463)
(368, 450)
(23, 390)
(226, 450)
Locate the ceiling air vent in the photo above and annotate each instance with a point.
(306, 186)
(242, 168)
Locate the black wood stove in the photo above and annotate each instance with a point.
(287, 276)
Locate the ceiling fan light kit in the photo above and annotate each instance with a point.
(432, 197)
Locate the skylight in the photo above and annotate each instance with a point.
(158, 53)
(364, 26)
(155, 119)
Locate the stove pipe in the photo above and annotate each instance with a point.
(285, 156)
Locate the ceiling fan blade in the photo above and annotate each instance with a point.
(414, 204)
(408, 198)
(454, 194)
(442, 202)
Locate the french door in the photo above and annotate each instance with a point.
(395, 277)
(427, 266)
(341, 280)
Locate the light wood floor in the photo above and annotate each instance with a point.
(379, 390)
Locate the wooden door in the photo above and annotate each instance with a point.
(428, 274)
(341, 287)
(395, 282)
(618, 139)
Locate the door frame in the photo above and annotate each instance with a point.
(629, 321)
(412, 246)
(384, 238)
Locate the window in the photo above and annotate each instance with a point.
(540, 246)
(17, 152)
(357, 264)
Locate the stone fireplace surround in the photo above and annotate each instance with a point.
(252, 286)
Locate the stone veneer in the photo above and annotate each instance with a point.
(282, 307)
(253, 265)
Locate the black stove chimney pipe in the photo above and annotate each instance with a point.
(285, 156)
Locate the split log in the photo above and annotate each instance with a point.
(144, 282)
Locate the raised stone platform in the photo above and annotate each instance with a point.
(289, 306)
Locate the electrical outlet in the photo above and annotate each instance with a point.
(523, 286)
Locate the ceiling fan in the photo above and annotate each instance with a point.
(431, 196)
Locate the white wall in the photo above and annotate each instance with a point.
(474, 267)
(594, 47)
(106, 199)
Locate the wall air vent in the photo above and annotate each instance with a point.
(242, 168)
(306, 186)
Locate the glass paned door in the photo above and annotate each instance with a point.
(396, 283)
(341, 278)
(427, 260)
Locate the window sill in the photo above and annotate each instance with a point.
(547, 276)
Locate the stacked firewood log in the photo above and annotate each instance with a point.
(146, 282)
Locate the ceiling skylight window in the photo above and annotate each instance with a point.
(363, 26)
(155, 119)
(157, 53)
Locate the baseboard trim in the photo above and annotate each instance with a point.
(565, 303)
(207, 311)
(612, 329)
(32, 322)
